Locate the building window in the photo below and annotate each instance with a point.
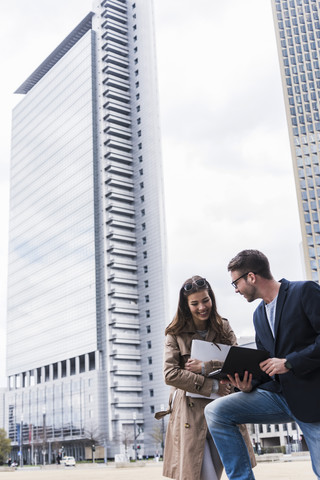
(143, 212)
(63, 368)
(149, 344)
(145, 268)
(46, 373)
(92, 361)
(150, 376)
(151, 408)
(144, 241)
(147, 299)
(141, 171)
(82, 363)
(142, 198)
(140, 158)
(145, 255)
(55, 371)
(151, 392)
(147, 313)
(148, 327)
(149, 360)
(72, 366)
(146, 283)
(143, 226)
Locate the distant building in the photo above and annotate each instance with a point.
(297, 28)
(87, 254)
(277, 438)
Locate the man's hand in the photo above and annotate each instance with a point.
(273, 366)
(245, 385)
(193, 365)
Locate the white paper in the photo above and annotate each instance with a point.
(206, 351)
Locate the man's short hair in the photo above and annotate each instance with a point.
(251, 261)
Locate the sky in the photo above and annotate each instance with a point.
(227, 165)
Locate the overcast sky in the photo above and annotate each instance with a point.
(228, 175)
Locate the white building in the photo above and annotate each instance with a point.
(87, 256)
(297, 27)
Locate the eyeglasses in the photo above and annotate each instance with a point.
(200, 282)
(234, 283)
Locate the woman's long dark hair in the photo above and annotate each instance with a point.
(183, 315)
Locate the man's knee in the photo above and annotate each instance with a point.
(210, 411)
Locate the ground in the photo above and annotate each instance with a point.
(289, 470)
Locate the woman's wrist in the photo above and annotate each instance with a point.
(215, 386)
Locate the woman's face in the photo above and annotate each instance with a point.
(200, 306)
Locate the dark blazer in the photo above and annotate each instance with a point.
(297, 338)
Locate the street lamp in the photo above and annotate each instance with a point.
(134, 415)
(162, 430)
(21, 441)
(44, 435)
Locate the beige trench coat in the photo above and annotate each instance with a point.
(187, 427)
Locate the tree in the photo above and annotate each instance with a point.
(127, 438)
(5, 446)
(157, 434)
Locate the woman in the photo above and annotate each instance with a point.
(190, 453)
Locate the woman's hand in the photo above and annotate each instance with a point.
(194, 365)
(224, 389)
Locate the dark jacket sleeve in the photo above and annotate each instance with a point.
(307, 358)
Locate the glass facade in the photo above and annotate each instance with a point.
(87, 268)
(298, 36)
(51, 292)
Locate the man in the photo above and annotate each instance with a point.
(287, 325)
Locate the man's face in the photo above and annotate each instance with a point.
(244, 283)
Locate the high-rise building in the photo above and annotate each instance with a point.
(87, 256)
(297, 28)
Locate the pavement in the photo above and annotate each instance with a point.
(290, 469)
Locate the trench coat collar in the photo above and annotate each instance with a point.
(190, 328)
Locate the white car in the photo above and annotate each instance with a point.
(68, 461)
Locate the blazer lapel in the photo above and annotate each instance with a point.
(267, 333)
(280, 304)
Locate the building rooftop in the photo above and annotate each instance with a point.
(57, 54)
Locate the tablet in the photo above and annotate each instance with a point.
(239, 360)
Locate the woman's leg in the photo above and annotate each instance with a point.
(211, 464)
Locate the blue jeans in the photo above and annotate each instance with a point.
(260, 406)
